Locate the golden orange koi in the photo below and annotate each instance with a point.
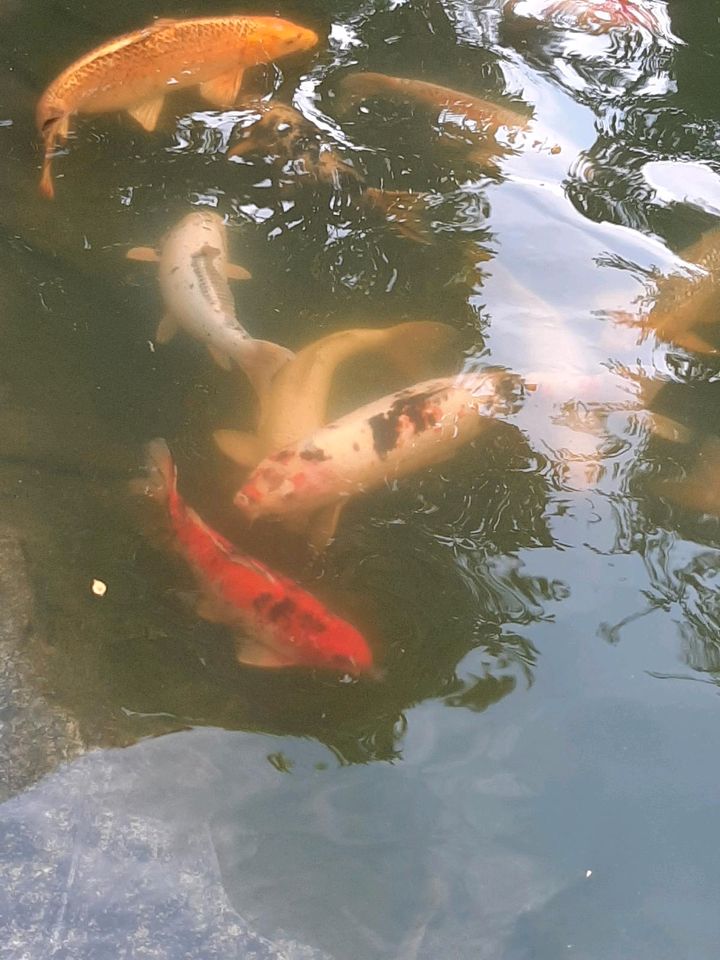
(134, 72)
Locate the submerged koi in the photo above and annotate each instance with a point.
(685, 310)
(308, 483)
(295, 406)
(485, 116)
(286, 136)
(276, 623)
(134, 72)
(193, 272)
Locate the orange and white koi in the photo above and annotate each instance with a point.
(276, 623)
(307, 484)
(193, 272)
(134, 72)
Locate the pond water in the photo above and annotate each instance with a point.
(534, 776)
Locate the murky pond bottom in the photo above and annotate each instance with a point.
(533, 774)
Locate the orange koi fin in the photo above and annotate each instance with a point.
(222, 91)
(220, 358)
(253, 654)
(243, 448)
(47, 188)
(145, 254)
(147, 113)
(322, 527)
(236, 272)
(212, 610)
(167, 328)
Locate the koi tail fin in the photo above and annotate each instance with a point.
(261, 360)
(160, 480)
(417, 348)
(47, 188)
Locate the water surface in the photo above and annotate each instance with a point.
(535, 775)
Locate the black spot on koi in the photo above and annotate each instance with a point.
(261, 601)
(281, 609)
(314, 453)
(386, 427)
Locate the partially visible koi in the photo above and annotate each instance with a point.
(599, 16)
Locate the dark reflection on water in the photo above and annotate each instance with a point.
(537, 604)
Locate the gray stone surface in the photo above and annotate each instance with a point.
(34, 735)
(111, 857)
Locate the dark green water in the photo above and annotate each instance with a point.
(536, 775)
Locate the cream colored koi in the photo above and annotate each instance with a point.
(296, 403)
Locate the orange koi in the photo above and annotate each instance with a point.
(134, 72)
(276, 623)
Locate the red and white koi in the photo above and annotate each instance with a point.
(307, 483)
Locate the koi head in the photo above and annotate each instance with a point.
(283, 478)
(337, 646)
(279, 38)
(496, 392)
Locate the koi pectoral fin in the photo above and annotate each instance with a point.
(253, 654)
(243, 448)
(144, 254)
(222, 91)
(212, 610)
(220, 358)
(147, 113)
(236, 272)
(167, 328)
(321, 528)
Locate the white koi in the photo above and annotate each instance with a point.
(193, 275)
